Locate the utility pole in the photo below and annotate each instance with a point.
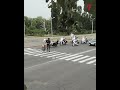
(92, 19)
(24, 27)
(44, 26)
(51, 26)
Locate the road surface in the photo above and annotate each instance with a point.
(64, 68)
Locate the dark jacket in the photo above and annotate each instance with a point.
(48, 42)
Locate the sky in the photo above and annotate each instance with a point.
(35, 8)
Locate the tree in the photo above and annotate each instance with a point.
(27, 21)
(90, 6)
(39, 22)
(63, 11)
(34, 26)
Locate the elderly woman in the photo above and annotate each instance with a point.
(44, 45)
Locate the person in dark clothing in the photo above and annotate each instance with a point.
(48, 44)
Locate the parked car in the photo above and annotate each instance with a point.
(92, 42)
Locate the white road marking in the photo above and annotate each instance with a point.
(60, 56)
(80, 58)
(87, 51)
(41, 54)
(73, 57)
(33, 51)
(91, 62)
(56, 55)
(29, 53)
(63, 55)
(87, 59)
(46, 54)
(78, 54)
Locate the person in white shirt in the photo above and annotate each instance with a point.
(72, 35)
(74, 41)
(61, 40)
(44, 45)
(83, 40)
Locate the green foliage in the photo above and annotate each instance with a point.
(66, 16)
(36, 32)
(90, 6)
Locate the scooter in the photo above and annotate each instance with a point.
(54, 43)
(75, 43)
(64, 42)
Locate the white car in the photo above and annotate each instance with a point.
(92, 42)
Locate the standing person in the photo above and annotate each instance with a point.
(72, 35)
(48, 44)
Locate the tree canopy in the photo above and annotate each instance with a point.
(90, 6)
(66, 17)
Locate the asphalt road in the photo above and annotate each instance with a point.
(64, 68)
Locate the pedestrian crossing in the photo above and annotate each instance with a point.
(62, 56)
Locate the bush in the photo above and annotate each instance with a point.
(35, 32)
(62, 33)
(84, 31)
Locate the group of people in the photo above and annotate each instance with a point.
(75, 40)
(84, 40)
(47, 43)
(63, 41)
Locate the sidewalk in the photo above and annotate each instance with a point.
(31, 41)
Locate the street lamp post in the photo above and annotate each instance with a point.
(24, 28)
(51, 26)
(44, 25)
(92, 24)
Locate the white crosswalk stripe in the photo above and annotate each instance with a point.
(62, 56)
(86, 59)
(91, 62)
(56, 55)
(80, 58)
(41, 53)
(73, 57)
